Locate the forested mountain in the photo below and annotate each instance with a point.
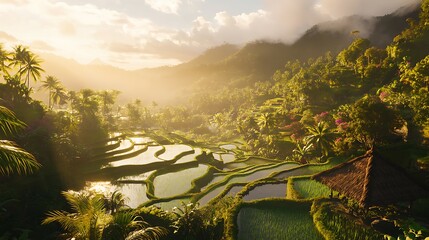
(228, 65)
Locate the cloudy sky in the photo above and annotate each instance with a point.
(134, 34)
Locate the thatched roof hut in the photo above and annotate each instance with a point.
(371, 181)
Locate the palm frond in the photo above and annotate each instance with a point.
(88, 218)
(127, 219)
(84, 203)
(9, 123)
(16, 160)
(73, 224)
(150, 233)
(66, 220)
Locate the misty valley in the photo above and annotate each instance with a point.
(322, 137)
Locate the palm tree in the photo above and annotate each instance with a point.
(125, 225)
(88, 218)
(13, 159)
(28, 64)
(20, 53)
(115, 201)
(108, 98)
(4, 58)
(87, 102)
(122, 223)
(50, 83)
(189, 223)
(59, 95)
(301, 151)
(90, 221)
(31, 68)
(266, 122)
(321, 137)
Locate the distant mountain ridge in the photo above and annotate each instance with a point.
(227, 65)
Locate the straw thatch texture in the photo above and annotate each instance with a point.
(371, 181)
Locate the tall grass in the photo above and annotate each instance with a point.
(276, 219)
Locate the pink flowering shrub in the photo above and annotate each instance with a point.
(296, 129)
(342, 145)
(383, 95)
(322, 117)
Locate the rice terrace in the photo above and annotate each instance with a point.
(213, 120)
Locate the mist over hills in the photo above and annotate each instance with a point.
(226, 65)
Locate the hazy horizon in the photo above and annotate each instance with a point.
(142, 34)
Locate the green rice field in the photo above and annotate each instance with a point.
(307, 188)
(172, 151)
(175, 168)
(277, 220)
(175, 183)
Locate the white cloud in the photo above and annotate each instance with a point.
(83, 32)
(224, 19)
(165, 6)
(86, 32)
(284, 20)
(245, 21)
(201, 24)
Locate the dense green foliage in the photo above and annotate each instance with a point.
(314, 107)
(55, 140)
(13, 159)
